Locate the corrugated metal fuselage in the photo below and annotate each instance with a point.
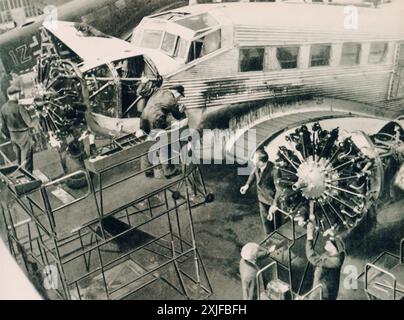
(215, 82)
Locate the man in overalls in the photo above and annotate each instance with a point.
(15, 125)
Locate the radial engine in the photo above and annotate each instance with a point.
(334, 178)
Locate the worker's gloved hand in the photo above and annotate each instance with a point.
(181, 107)
(244, 189)
(37, 114)
(300, 221)
(84, 135)
(53, 141)
(271, 212)
(272, 249)
(330, 232)
(264, 251)
(144, 80)
(112, 134)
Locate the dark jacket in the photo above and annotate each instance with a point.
(266, 187)
(160, 105)
(17, 82)
(327, 270)
(14, 118)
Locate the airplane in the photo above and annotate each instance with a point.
(231, 57)
(20, 47)
(227, 60)
(111, 74)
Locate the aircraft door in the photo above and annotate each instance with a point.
(397, 89)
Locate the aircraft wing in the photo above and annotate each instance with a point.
(90, 48)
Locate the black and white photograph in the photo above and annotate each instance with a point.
(203, 150)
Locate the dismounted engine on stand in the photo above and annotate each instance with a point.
(333, 177)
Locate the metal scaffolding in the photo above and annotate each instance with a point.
(90, 249)
(384, 277)
(282, 265)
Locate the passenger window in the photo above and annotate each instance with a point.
(151, 39)
(287, 57)
(320, 55)
(378, 51)
(252, 59)
(350, 54)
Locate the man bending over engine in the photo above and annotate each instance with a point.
(162, 103)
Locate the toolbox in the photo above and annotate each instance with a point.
(278, 290)
(120, 150)
(19, 180)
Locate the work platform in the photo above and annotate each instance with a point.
(125, 249)
(384, 277)
(121, 234)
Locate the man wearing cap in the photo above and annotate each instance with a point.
(15, 125)
(162, 104)
(327, 266)
(16, 81)
(250, 253)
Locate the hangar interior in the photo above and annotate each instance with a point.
(91, 217)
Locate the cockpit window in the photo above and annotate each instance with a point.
(205, 45)
(130, 68)
(212, 42)
(151, 39)
(168, 43)
(171, 44)
(170, 15)
(181, 48)
(199, 22)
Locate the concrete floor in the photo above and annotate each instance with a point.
(224, 226)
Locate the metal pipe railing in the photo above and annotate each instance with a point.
(123, 233)
(258, 277)
(64, 178)
(319, 288)
(61, 261)
(370, 266)
(6, 159)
